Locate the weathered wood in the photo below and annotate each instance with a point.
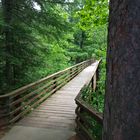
(58, 111)
(84, 107)
(4, 112)
(94, 81)
(24, 99)
(84, 130)
(25, 88)
(90, 110)
(84, 120)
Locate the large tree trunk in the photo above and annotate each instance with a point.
(122, 100)
(8, 32)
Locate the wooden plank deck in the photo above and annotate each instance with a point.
(58, 111)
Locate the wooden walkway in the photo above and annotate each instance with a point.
(57, 113)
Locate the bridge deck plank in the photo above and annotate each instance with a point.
(58, 111)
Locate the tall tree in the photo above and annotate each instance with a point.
(8, 35)
(23, 26)
(122, 101)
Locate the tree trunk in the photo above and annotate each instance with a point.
(82, 38)
(8, 32)
(122, 100)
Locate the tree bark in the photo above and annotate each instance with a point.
(122, 99)
(81, 39)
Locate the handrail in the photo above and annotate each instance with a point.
(16, 104)
(90, 110)
(41, 80)
(84, 107)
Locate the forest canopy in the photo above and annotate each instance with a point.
(40, 37)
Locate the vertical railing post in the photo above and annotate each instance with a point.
(97, 72)
(77, 69)
(81, 67)
(97, 75)
(94, 81)
(79, 111)
(90, 91)
(84, 65)
(71, 72)
(18, 105)
(4, 112)
(54, 83)
(92, 84)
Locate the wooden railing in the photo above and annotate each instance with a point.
(84, 109)
(14, 105)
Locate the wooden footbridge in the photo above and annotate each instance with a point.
(45, 110)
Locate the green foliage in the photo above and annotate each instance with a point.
(26, 33)
(96, 130)
(93, 13)
(40, 37)
(51, 38)
(95, 100)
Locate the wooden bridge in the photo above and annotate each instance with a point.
(45, 110)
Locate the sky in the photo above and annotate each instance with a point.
(36, 6)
